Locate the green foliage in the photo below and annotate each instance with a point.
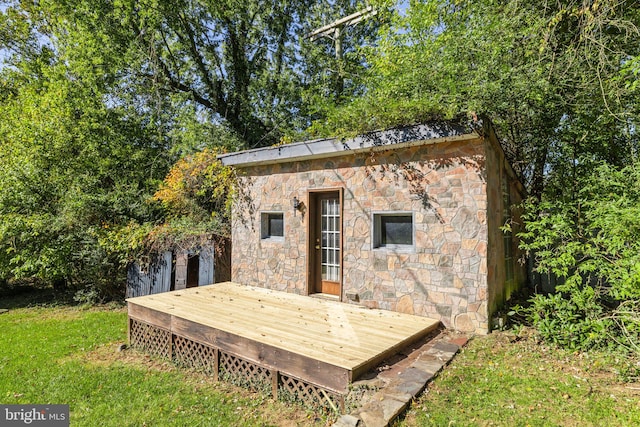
(99, 98)
(185, 233)
(557, 81)
(356, 117)
(575, 322)
(196, 196)
(591, 242)
(126, 242)
(200, 187)
(70, 167)
(228, 63)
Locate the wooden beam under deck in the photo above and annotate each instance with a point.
(324, 342)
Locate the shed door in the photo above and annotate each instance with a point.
(193, 270)
(326, 243)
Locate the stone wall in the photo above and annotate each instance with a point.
(443, 184)
(500, 176)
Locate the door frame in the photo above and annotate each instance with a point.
(312, 197)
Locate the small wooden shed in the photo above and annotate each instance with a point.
(178, 269)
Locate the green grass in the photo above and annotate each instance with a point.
(505, 380)
(67, 355)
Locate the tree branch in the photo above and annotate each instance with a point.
(214, 88)
(181, 87)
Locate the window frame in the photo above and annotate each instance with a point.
(265, 226)
(376, 231)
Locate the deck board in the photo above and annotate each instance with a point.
(334, 333)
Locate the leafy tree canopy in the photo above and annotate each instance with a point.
(244, 65)
(98, 99)
(557, 79)
(70, 168)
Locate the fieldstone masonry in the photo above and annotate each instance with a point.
(443, 184)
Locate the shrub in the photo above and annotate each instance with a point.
(592, 243)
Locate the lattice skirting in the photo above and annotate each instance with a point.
(299, 390)
(194, 355)
(230, 367)
(150, 338)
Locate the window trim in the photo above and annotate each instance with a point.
(376, 232)
(265, 223)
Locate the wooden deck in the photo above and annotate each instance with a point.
(325, 343)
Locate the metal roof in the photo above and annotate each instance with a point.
(400, 137)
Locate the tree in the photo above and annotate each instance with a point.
(555, 79)
(246, 64)
(196, 197)
(232, 63)
(70, 169)
(99, 98)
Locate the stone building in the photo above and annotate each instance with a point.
(406, 219)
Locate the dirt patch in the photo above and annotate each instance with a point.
(110, 354)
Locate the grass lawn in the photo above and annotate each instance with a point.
(508, 380)
(68, 355)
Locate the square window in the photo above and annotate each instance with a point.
(272, 225)
(393, 230)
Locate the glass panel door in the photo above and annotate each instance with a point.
(330, 238)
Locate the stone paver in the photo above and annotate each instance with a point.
(401, 380)
(348, 421)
